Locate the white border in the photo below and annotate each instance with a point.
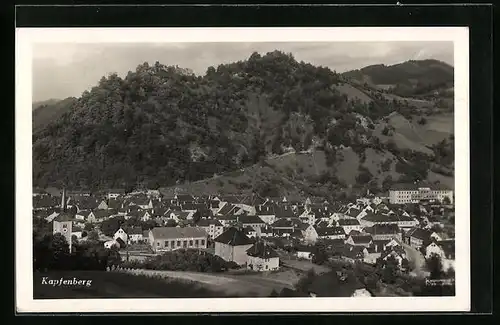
(24, 274)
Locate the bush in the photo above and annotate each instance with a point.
(386, 165)
(422, 121)
(185, 260)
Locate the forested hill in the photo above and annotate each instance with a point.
(410, 78)
(162, 125)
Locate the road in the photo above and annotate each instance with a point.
(418, 260)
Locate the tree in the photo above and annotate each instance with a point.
(364, 177)
(405, 264)
(446, 201)
(74, 240)
(435, 266)
(93, 236)
(387, 183)
(60, 251)
(274, 293)
(450, 272)
(422, 121)
(88, 227)
(304, 282)
(372, 281)
(390, 269)
(171, 223)
(320, 255)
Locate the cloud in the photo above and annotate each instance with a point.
(63, 70)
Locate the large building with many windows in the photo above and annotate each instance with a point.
(172, 238)
(418, 193)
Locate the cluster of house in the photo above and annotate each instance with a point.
(241, 226)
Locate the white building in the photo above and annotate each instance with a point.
(412, 193)
(261, 257)
(232, 245)
(120, 233)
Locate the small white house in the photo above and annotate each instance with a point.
(120, 233)
(261, 257)
(110, 243)
(305, 252)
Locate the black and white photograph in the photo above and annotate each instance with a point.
(167, 166)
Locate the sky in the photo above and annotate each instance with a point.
(65, 70)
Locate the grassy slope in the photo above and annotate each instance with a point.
(411, 135)
(292, 170)
(353, 92)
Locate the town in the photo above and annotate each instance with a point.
(409, 226)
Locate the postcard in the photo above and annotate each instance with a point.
(242, 170)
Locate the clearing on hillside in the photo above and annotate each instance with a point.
(353, 93)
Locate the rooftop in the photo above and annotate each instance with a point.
(262, 250)
(233, 237)
(178, 232)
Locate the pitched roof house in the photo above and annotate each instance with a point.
(232, 245)
(261, 257)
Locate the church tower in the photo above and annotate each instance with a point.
(63, 223)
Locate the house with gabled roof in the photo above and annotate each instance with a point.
(86, 216)
(103, 205)
(360, 240)
(307, 216)
(330, 232)
(354, 212)
(101, 215)
(266, 231)
(284, 211)
(397, 252)
(44, 202)
(283, 228)
(232, 245)
(135, 234)
(305, 251)
(417, 237)
(115, 203)
(83, 203)
(184, 198)
(384, 231)
(227, 220)
(354, 253)
(142, 202)
(212, 227)
(115, 193)
(309, 234)
(250, 221)
(261, 257)
(349, 224)
(266, 212)
(229, 208)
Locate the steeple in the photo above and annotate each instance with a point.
(63, 200)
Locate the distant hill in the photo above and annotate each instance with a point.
(162, 126)
(50, 110)
(410, 78)
(38, 104)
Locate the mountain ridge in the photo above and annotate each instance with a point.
(163, 126)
